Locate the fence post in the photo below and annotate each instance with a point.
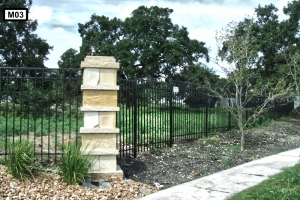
(206, 120)
(171, 113)
(134, 118)
(99, 134)
(229, 114)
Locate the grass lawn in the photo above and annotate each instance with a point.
(283, 186)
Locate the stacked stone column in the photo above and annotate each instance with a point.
(99, 134)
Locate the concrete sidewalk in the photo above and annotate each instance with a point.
(224, 184)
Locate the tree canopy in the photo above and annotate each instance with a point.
(147, 44)
(272, 38)
(19, 46)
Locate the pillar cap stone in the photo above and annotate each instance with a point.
(104, 62)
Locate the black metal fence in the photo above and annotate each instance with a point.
(156, 114)
(43, 105)
(40, 105)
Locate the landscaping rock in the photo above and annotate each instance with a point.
(52, 186)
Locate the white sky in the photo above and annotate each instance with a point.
(58, 19)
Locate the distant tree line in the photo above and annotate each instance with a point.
(149, 46)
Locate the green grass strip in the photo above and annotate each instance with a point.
(283, 186)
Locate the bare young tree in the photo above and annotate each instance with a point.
(293, 68)
(240, 52)
(293, 72)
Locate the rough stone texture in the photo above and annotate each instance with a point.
(104, 163)
(99, 98)
(102, 175)
(99, 108)
(296, 113)
(99, 130)
(99, 87)
(100, 62)
(107, 119)
(108, 76)
(91, 76)
(102, 140)
(90, 119)
(105, 152)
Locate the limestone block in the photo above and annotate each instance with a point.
(104, 163)
(99, 98)
(101, 140)
(100, 152)
(100, 62)
(90, 119)
(108, 76)
(99, 130)
(91, 76)
(97, 175)
(100, 87)
(107, 119)
(99, 108)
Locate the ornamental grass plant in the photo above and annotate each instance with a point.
(21, 160)
(75, 164)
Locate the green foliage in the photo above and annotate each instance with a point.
(147, 44)
(183, 154)
(198, 73)
(75, 164)
(153, 125)
(233, 148)
(18, 122)
(239, 47)
(70, 60)
(124, 164)
(19, 46)
(226, 160)
(21, 160)
(285, 185)
(214, 157)
(272, 37)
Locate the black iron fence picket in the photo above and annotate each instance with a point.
(155, 114)
(43, 105)
(40, 105)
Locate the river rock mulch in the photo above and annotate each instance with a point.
(51, 186)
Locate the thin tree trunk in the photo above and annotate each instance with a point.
(242, 140)
(241, 127)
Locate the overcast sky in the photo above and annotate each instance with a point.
(58, 19)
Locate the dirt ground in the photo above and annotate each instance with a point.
(190, 160)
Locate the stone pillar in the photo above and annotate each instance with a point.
(99, 134)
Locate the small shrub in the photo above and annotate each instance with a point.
(226, 161)
(74, 166)
(183, 154)
(214, 157)
(125, 164)
(21, 160)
